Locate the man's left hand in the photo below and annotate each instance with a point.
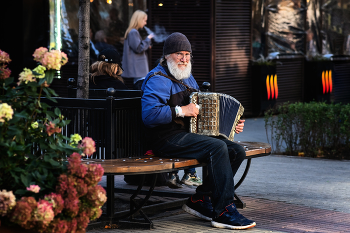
(239, 126)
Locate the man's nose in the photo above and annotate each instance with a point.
(184, 58)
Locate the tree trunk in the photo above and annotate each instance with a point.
(84, 49)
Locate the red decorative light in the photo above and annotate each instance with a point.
(271, 86)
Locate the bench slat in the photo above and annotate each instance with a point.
(256, 149)
(147, 164)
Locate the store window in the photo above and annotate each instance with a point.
(109, 20)
(278, 27)
(335, 18)
(311, 28)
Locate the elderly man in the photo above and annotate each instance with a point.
(166, 112)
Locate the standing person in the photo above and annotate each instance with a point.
(166, 114)
(135, 61)
(106, 71)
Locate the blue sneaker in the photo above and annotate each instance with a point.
(232, 219)
(200, 208)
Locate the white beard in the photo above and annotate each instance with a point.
(178, 73)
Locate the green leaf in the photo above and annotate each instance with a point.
(17, 169)
(52, 91)
(25, 180)
(41, 81)
(57, 111)
(20, 192)
(47, 158)
(8, 81)
(54, 163)
(48, 95)
(49, 75)
(53, 146)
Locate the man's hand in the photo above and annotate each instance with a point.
(239, 126)
(190, 110)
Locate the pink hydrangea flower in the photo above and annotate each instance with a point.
(51, 129)
(4, 72)
(33, 188)
(62, 184)
(81, 187)
(75, 167)
(44, 212)
(57, 202)
(58, 226)
(7, 202)
(71, 206)
(72, 225)
(95, 213)
(82, 223)
(88, 146)
(4, 59)
(94, 174)
(96, 195)
(21, 213)
(39, 54)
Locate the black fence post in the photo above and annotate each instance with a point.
(109, 152)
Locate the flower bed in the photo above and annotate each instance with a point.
(44, 185)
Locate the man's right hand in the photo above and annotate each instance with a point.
(190, 110)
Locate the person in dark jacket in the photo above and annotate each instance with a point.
(166, 112)
(106, 71)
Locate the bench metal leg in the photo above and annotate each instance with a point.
(110, 197)
(125, 219)
(246, 170)
(238, 202)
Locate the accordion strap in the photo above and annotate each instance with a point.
(190, 89)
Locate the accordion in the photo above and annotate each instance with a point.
(218, 114)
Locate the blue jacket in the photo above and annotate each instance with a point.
(160, 97)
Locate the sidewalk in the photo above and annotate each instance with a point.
(282, 193)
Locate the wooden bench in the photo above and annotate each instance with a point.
(115, 125)
(154, 165)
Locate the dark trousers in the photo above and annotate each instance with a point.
(223, 158)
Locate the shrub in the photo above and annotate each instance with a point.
(315, 129)
(43, 184)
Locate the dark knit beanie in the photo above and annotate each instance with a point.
(110, 56)
(176, 42)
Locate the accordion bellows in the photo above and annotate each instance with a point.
(218, 114)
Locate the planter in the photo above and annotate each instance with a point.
(318, 81)
(264, 88)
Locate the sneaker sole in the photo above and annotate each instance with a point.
(174, 186)
(195, 213)
(226, 226)
(190, 183)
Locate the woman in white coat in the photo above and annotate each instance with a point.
(135, 62)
